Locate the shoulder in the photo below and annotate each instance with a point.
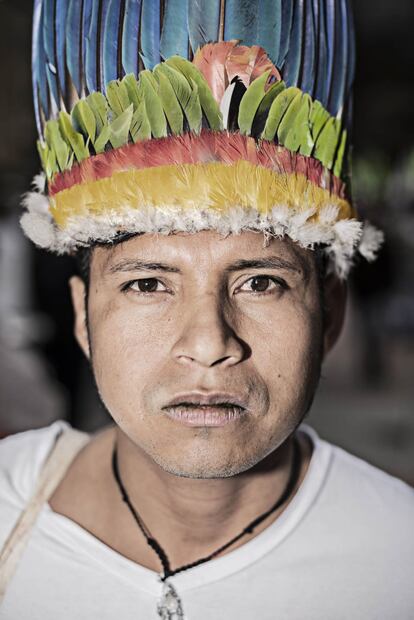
(21, 459)
(384, 492)
(366, 499)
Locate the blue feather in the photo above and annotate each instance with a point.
(321, 83)
(49, 47)
(269, 27)
(287, 17)
(60, 26)
(174, 36)
(150, 33)
(203, 22)
(348, 102)
(110, 41)
(130, 36)
(240, 20)
(103, 8)
(53, 86)
(307, 78)
(351, 52)
(74, 43)
(294, 56)
(49, 29)
(90, 42)
(39, 79)
(340, 54)
(330, 44)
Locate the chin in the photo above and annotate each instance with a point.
(207, 468)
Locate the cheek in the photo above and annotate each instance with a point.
(287, 351)
(128, 350)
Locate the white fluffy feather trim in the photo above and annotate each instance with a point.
(343, 239)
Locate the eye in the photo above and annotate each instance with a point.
(263, 284)
(145, 285)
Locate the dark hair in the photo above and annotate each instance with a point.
(84, 254)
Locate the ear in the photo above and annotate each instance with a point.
(78, 293)
(335, 296)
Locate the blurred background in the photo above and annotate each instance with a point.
(366, 398)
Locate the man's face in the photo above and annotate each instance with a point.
(206, 350)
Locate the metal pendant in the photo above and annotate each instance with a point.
(169, 606)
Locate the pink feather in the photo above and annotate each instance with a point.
(221, 62)
(211, 61)
(248, 63)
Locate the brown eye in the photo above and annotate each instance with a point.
(260, 284)
(147, 285)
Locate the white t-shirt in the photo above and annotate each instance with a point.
(343, 549)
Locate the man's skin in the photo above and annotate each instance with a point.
(185, 318)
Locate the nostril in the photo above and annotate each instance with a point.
(221, 360)
(209, 342)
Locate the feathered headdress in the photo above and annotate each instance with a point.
(185, 115)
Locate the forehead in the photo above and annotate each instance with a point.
(202, 250)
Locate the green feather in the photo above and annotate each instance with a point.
(57, 144)
(269, 97)
(185, 95)
(286, 125)
(102, 139)
(277, 111)
(153, 104)
(340, 154)
(250, 102)
(300, 136)
(318, 118)
(181, 87)
(131, 84)
(83, 119)
(48, 158)
(117, 96)
(140, 126)
(99, 106)
(294, 130)
(73, 138)
(43, 151)
(51, 164)
(120, 128)
(209, 105)
(172, 108)
(327, 143)
(306, 140)
(193, 110)
(150, 76)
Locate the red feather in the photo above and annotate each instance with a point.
(191, 148)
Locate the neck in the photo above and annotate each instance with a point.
(191, 518)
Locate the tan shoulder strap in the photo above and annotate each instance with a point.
(67, 445)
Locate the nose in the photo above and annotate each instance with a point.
(206, 338)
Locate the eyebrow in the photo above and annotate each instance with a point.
(140, 265)
(270, 262)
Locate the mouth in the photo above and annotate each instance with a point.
(206, 410)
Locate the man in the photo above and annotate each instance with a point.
(207, 497)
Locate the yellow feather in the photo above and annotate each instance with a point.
(213, 185)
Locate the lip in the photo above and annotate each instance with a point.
(208, 398)
(213, 409)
